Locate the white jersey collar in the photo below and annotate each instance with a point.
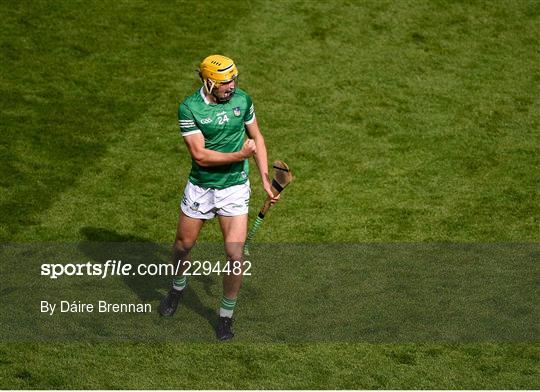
(203, 95)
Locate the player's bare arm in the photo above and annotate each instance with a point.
(261, 157)
(206, 158)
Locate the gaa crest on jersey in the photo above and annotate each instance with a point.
(236, 111)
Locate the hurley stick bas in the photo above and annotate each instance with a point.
(282, 178)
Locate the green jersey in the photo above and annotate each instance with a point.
(223, 128)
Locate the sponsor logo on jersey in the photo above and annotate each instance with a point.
(221, 113)
(244, 175)
(206, 120)
(236, 111)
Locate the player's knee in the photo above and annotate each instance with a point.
(234, 255)
(183, 246)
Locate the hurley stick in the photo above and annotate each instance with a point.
(282, 178)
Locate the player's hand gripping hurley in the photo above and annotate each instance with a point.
(282, 178)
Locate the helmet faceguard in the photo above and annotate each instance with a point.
(216, 70)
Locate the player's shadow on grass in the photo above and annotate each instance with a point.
(103, 244)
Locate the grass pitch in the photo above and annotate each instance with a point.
(408, 121)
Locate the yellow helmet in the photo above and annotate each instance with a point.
(215, 70)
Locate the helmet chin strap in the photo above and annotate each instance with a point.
(210, 89)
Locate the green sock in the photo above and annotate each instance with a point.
(226, 307)
(180, 283)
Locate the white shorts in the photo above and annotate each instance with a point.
(206, 203)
